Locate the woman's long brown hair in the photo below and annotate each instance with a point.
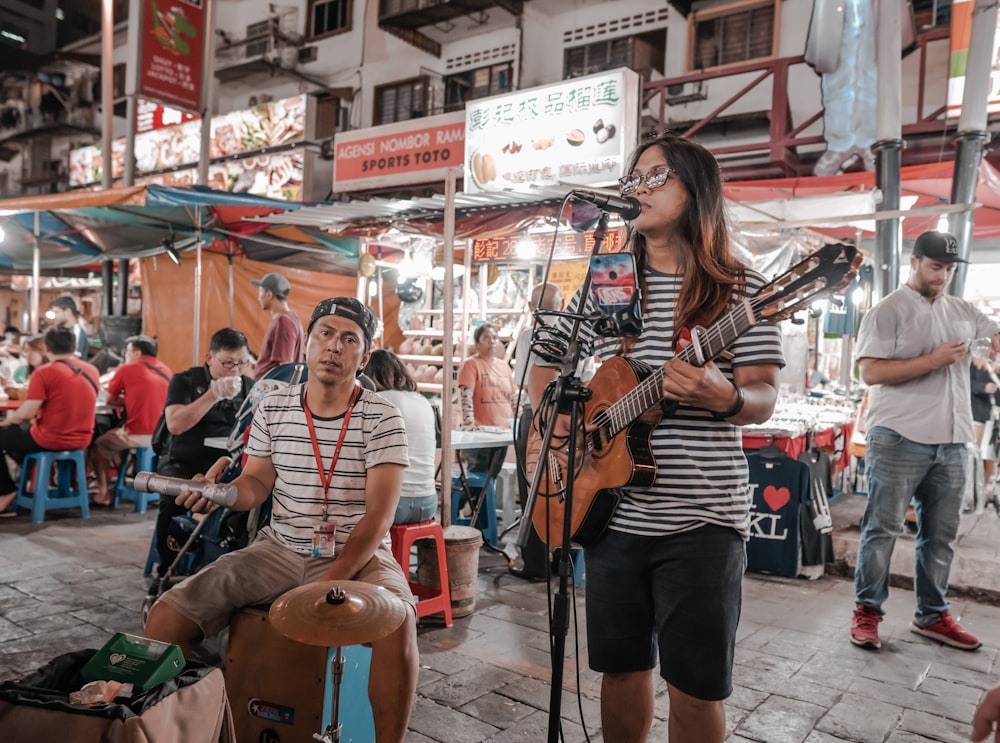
(711, 273)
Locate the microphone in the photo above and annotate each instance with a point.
(624, 206)
(149, 482)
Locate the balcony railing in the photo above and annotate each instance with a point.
(783, 149)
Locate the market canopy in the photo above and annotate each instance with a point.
(843, 205)
(79, 229)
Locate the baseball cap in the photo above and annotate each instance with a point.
(938, 246)
(347, 307)
(275, 283)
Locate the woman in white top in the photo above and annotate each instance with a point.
(418, 500)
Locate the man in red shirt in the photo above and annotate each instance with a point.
(283, 341)
(140, 384)
(61, 399)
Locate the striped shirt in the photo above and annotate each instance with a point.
(375, 435)
(701, 471)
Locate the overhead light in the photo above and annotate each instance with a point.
(525, 248)
(942, 223)
(171, 251)
(1, 234)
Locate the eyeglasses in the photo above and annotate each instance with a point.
(654, 179)
(230, 365)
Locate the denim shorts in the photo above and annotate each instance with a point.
(677, 595)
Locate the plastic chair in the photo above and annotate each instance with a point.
(41, 497)
(145, 461)
(487, 520)
(430, 599)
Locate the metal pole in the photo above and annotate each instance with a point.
(36, 263)
(888, 232)
(972, 135)
(123, 271)
(197, 290)
(232, 292)
(448, 318)
(107, 85)
(107, 288)
(206, 84)
(131, 84)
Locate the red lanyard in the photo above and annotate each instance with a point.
(326, 479)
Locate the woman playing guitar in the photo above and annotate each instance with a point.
(665, 576)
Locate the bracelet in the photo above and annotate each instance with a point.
(737, 406)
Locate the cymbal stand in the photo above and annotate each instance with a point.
(334, 729)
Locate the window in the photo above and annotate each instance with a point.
(328, 17)
(401, 101)
(596, 57)
(737, 33)
(481, 83)
(641, 52)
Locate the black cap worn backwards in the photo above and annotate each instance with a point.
(347, 307)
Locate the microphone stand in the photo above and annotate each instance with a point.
(568, 392)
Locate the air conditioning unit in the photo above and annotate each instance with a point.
(308, 54)
(685, 93)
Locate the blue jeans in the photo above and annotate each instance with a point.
(413, 510)
(934, 476)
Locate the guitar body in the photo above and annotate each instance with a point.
(609, 465)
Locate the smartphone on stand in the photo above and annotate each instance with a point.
(616, 291)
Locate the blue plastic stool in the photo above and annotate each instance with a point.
(145, 461)
(487, 521)
(42, 497)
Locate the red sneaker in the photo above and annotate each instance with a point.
(948, 631)
(864, 627)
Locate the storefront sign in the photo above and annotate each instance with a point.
(569, 244)
(151, 115)
(276, 176)
(414, 151)
(574, 133)
(961, 35)
(171, 52)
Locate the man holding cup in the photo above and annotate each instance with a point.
(202, 402)
(914, 351)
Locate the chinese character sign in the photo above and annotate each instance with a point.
(171, 52)
(574, 133)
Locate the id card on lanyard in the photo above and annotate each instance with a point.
(325, 532)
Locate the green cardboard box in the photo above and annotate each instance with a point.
(136, 660)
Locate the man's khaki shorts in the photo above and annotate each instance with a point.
(260, 573)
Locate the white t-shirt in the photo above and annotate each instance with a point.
(418, 417)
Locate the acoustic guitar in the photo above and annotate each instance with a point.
(627, 403)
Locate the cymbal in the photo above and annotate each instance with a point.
(337, 613)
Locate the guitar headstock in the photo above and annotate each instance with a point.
(830, 268)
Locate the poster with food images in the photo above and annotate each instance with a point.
(576, 133)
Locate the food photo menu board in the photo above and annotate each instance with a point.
(240, 135)
(573, 133)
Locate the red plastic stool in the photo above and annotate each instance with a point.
(430, 600)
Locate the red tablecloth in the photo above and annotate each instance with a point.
(793, 446)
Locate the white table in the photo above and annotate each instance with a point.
(481, 439)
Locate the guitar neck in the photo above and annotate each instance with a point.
(649, 391)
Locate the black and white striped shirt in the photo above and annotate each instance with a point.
(701, 471)
(375, 435)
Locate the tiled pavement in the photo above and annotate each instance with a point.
(66, 584)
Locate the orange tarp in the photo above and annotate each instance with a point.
(168, 301)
